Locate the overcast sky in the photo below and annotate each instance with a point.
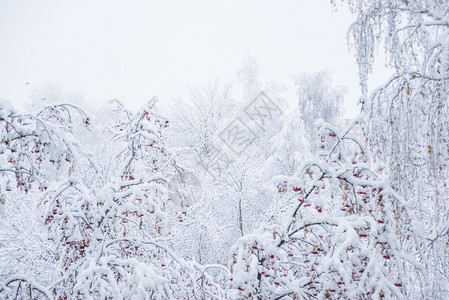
(133, 50)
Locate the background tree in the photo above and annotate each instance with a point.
(318, 99)
(231, 182)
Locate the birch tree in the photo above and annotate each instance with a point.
(405, 119)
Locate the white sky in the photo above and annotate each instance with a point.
(132, 50)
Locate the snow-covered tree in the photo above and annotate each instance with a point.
(120, 246)
(289, 147)
(37, 151)
(350, 234)
(406, 118)
(318, 99)
(109, 231)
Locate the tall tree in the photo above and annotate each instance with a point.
(406, 118)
